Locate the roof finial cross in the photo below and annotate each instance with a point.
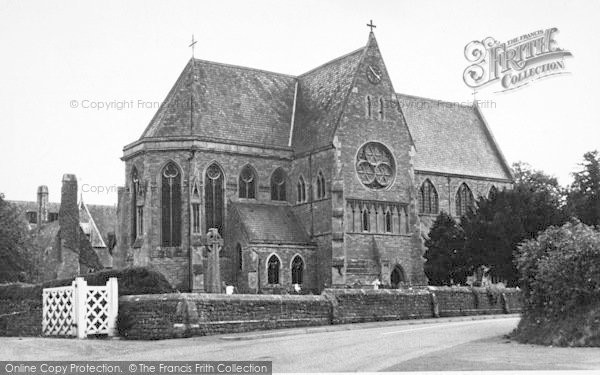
(193, 44)
(370, 24)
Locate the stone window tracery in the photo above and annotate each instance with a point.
(278, 192)
(375, 166)
(297, 270)
(247, 183)
(428, 198)
(464, 200)
(171, 205)
(213, 197)
(273, 265)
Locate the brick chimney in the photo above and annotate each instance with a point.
(68, 216)
(42, 204)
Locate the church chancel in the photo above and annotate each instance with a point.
(275, 183)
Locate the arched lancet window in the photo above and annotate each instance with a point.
(388, 222)
(297, 270)
(320, 185)
(247, 183)
(301, 190)
(428, 198)
(365, 220)
(278, 185)
(240, 257)
(135, 182)
(464, 200)
(493, 192)
(397, 276)
(273, 265)
(368, 100)
(381, 114)
(213, 197)
(171, 205)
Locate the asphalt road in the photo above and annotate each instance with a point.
(430, 345)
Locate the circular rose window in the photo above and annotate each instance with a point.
(375, 166)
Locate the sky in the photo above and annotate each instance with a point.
(61, 61)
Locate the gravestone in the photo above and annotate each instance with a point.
(214, 244)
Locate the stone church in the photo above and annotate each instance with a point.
(326, 179)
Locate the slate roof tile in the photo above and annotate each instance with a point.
(270, 223)
(451, 138)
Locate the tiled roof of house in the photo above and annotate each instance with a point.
(268, 223)
(452, 138)
(105, 220)
(231, 103)
(26, 206)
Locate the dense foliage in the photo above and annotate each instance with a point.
(14, 259)
(133, 280)
(560, 270)
(494, 230)
(445, 263)
(583, 197)
(560, 277)
(490, 234)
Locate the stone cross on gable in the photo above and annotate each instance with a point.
(193, 44)
(370, 24)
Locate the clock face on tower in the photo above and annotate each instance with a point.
(373, 74)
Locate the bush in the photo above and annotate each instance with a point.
(560, 270)
(560, 277)
(133, 280)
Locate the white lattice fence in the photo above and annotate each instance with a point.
(81, 310)
(58, 312)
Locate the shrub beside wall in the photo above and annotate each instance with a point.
(21, 304)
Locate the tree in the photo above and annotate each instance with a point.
(583, 197)
(445, 252)
(499, 224)
(14, 262)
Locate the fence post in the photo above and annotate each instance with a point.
(80, 292)
(113, 309)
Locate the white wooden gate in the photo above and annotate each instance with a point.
(81, 310)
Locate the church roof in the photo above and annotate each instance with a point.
(452, 138)
(251, 106)
(234, 104)
(321, 95)
(230, 103)
(269, 223)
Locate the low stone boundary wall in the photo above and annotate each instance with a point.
(187, 314)
(360, 305)
(20, 318)
(20, 310)
(162, 316)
